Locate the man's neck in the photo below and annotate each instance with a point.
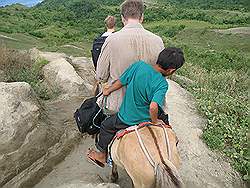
(132, 21)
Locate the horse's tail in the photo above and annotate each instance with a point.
(166, 175)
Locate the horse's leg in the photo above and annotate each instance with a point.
(114, 174)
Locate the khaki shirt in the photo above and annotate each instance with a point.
(120, 50)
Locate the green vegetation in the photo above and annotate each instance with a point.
(242, 5)
(19, 67)
(58, 22)
(217, 63)
(218, 66)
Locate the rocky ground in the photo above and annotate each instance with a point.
(41, 147)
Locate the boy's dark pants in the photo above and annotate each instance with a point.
(109, 128)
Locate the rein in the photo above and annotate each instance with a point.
(144, 149)
(103, 108)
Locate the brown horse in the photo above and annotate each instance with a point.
(128, 154)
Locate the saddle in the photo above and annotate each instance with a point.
(130, 129)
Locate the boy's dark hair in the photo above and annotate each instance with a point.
(171, 58)
(132, 9)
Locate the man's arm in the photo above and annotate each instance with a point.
(115, 86)
(103, 63)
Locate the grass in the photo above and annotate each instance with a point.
(218, 65)
(194, 24)
(19, 67)
(210, 40)
(22, 41)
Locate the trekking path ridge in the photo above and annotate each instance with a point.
(200, 166)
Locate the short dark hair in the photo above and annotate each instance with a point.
(110, 22)
(171, 58)
(132, 9)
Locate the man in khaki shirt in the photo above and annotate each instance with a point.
(123, 48)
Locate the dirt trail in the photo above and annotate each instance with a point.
(77, 170)
(72, 46)
(6, 37)
(236, 30)
(200, 166)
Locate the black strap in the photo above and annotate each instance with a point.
(96, 138)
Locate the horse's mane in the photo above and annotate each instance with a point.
(166, 174)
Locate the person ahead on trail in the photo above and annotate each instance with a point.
(146, 88)
(132, 43)
(98, 42)
(110, 26)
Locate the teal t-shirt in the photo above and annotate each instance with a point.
(144, 85)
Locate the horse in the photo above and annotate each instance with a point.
(159, 171)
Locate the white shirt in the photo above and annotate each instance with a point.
(106, 34)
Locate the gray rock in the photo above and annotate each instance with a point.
(18, 115)
(51, 56)
(61, 74)
(85, 69)
(89, 185)
(34, 153)
(2, 75)
(18, 112)
(34, 54)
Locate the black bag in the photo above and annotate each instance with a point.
(89, 116)
(96, 48)
(163, 116)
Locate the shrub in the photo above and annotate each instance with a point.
(18, 67)
(221, 91)
(167, 31)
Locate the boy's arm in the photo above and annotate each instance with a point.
(125, 78)
(158, 100)
(115, 86)
(153, 110)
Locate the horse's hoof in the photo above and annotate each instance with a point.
(114, 178)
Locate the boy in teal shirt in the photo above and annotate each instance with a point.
(145, 94)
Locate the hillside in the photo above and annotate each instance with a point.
(217, 63)
(59, 22)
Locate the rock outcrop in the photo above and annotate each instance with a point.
(33, 140)
(85, 70)
(51, 56)
(35, 137)
(61, 75)
(19, 114)
(90, 185)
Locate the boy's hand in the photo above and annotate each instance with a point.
(105, 90)
(159, 122)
